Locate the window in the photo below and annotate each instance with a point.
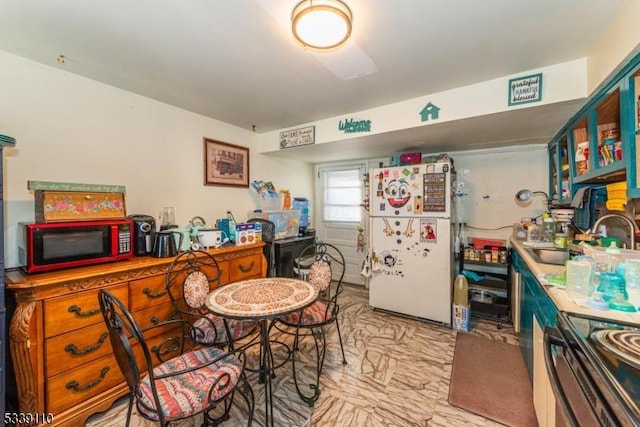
(342, 194)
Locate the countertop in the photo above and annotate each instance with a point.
(558, 295)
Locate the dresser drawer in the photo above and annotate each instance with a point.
(166, 344)
(152, 316)
(150, 292)
(78, 310)
(224, 272)
(70, 350)
(82, 383)
(245, 267)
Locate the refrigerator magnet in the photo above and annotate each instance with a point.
(428, 231)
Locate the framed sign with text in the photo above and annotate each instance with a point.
(523, 90)
(298, 137)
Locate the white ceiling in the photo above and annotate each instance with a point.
(236, 61)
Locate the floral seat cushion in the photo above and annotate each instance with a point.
(315, 314)
(187, 394)
(210, 329)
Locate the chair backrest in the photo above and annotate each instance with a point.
(124, 333)
(190, 278)
(323, 265)
(268, 236)
(268, 228)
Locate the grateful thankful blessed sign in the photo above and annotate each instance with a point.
(525, 89)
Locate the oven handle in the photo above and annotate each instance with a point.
(552, 337)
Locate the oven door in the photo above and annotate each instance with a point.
(579, 403)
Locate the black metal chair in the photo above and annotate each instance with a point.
(322, 265)
(197, 381)
(268, 236)
(190, 278)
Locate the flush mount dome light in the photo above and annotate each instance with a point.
(321, 24)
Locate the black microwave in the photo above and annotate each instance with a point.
(59, 245)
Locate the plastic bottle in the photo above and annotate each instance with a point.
(532, 232)
(286, 199)
(614, 257)
(579, 281)
(548, 230)
(232, 226)
(460, 290)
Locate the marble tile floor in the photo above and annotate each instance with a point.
(397, 374)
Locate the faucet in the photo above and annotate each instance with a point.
(632, 226)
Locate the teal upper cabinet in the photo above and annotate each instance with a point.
(631, 132)
(559, 171)
(601, 139)
(599, 151)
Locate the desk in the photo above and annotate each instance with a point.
(263, 300)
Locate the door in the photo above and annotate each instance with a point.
(340, 217)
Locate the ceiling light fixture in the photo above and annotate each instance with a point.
(321, 24)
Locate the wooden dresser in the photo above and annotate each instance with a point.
(59, 344)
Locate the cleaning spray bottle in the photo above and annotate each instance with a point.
(232, 226)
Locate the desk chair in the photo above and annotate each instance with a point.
(197, 381)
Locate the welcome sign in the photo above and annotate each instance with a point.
(526, 89)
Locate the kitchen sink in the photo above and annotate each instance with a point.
(549, 256)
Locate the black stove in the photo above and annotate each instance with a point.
(604, 357)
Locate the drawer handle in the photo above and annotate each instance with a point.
(71, 348)
(73, 385)
(247, 269)
(78, 311)
(150, 293)
(154, 320)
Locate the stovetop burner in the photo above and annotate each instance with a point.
(624, 343)
(609, 351)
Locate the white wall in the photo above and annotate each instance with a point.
(563, 82)
(489, 180)
(72, 129)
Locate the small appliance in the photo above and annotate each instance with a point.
(59, 245)
(210, 237)
(166, 244)
(144, 228)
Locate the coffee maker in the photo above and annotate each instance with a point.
(144, 229)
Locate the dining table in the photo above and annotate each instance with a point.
(263, 300)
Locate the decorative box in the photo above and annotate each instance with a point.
(57, 206)
(410, 158)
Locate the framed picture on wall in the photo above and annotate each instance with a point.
(225, 164)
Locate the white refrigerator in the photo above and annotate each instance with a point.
(412, 240)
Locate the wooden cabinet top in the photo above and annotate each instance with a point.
(109, 273)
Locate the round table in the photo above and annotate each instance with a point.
(262, 299)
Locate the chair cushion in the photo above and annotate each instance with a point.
(312, 315)
(187, 394)
(320, 275)
(216, 334)
(196, 289)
